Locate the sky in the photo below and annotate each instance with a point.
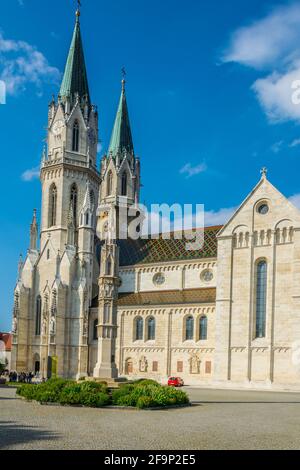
(209, 89)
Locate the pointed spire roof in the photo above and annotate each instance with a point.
(87, 203)
(75, 76)
(121, 138)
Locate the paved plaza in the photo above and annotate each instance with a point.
(217, 420)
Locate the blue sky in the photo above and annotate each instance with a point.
(209, 94)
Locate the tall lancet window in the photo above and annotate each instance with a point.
(189, 329)
(261, 299)
(74, 201)
(151, 329)
(52, 205)
(109, 184)
(38, 316)
(124, 184)
(203, 329)
(139, 329)
(75, 137)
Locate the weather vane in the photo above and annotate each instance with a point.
(123, 73)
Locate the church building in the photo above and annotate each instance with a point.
(88, 304)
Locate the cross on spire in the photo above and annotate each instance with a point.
(264, 172)
(78, 8)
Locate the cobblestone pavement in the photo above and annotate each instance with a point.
(217, 420)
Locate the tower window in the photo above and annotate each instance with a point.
(52, 205)
(75, 140)
(109, 184)
(38, 316)
(189, 329)
(124, 184)
(74, 201)
(95, 329)
(203, 329)
(151, 329)
(261, 299)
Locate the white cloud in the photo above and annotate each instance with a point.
(22, 64)
(219, 217)
(267, 41)
(275, 94)
(32, 174)
(272, 44)
(275, 148)
(294, 143)
(190, 170)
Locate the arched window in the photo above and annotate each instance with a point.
(203, 329)
(75, 139)
(151, 329)
(261, 299)
(74, 200)
(139, 326)
(38, 316)
(109, 184)
(52, 205)
(124, 184)
(95, 329)
(189, 329)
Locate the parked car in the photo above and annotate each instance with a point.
(175, 382)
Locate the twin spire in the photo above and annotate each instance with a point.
(121, 139)
(75, 80)
(75, 83)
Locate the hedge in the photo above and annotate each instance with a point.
(141, 394)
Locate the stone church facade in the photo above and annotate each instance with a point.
(88, 304)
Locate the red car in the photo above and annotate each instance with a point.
(175, 382)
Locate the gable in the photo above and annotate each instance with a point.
(248, 219)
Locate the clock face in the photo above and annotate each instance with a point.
(57, 127)
(92, 136)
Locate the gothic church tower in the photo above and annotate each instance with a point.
(55, 285)
(120, 188)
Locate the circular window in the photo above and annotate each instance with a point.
(263, 208)
(207, 275)
(159, 279)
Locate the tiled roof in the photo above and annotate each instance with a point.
(190, 296)
(7, 339)
(156, 251)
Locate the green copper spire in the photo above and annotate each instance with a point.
(75, 76)
(121, 138)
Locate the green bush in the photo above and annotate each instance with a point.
(145, 402)
(143, 395)
(67, 392)
(146, 382)
(93, 387)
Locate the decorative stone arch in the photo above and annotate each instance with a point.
(129, 366)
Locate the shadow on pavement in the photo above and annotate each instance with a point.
(12, 434)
